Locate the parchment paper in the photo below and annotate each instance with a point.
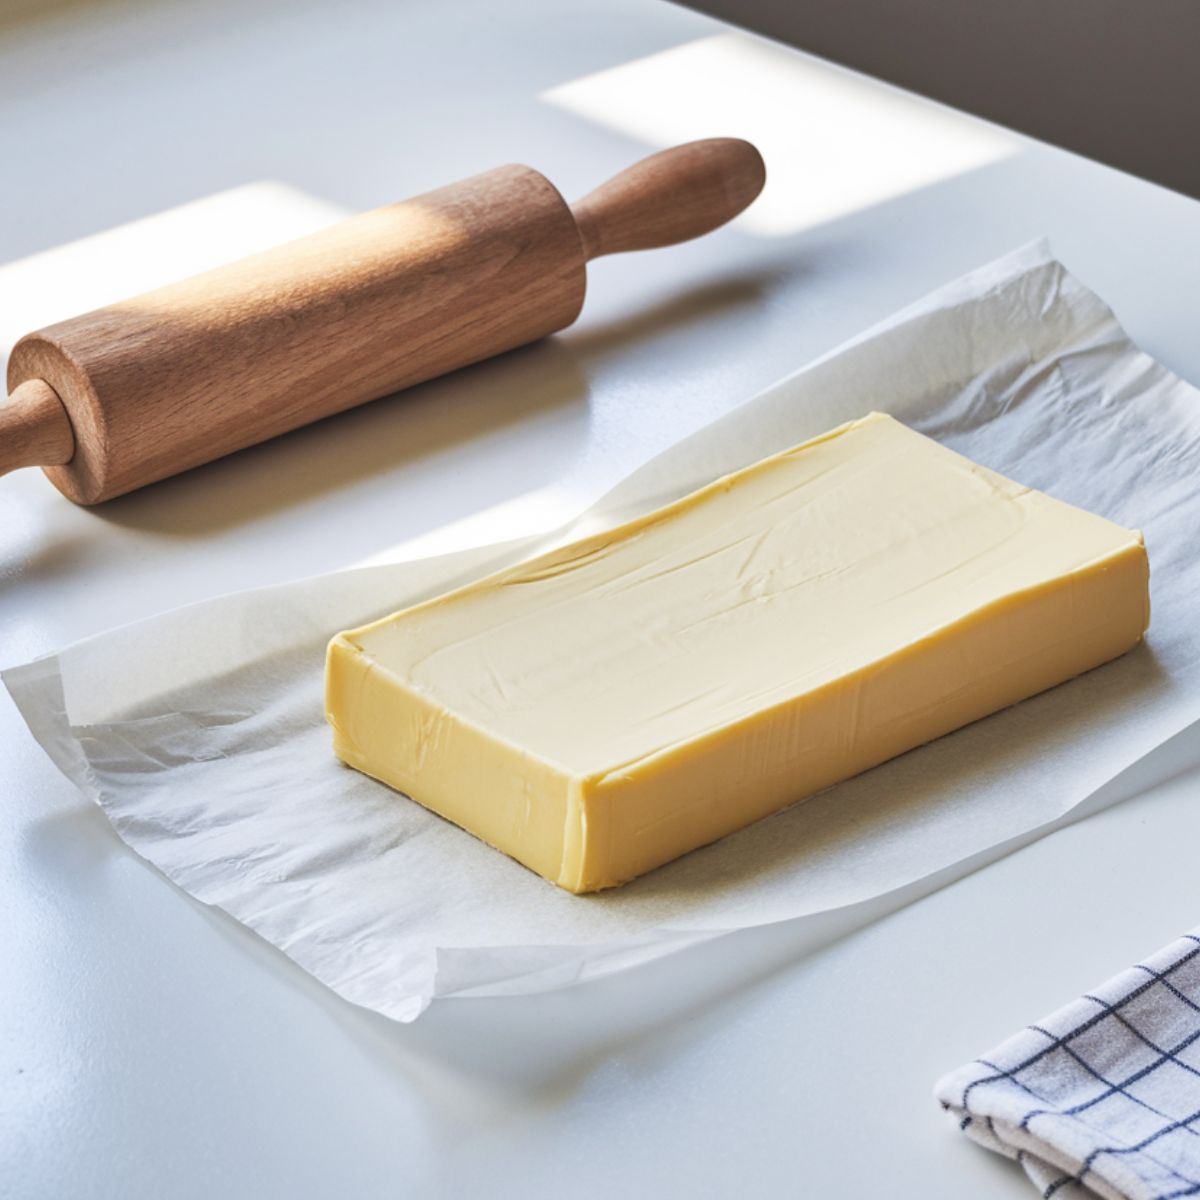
(201, 735)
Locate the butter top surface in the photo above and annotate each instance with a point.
(765, 585)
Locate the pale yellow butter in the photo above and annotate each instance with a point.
(613, 704)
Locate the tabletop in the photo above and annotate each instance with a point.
(152, 1047)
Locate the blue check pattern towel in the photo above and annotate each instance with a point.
(1103, 1097)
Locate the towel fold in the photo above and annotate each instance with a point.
(1102, 1098)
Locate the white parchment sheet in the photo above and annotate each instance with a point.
(201, 734)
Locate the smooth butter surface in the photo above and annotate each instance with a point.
(611, 705)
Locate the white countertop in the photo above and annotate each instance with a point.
(151, 1047)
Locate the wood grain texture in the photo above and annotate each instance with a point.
(198, 369)
(179, 376)
(34, 428)
(670, 197)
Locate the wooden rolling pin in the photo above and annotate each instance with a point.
(140, 390)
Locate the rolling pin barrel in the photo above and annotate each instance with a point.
(140, 390)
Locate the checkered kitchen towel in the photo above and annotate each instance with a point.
(1103, 1097)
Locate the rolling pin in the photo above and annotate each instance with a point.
(129, 394)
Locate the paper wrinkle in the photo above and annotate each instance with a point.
(201, 732)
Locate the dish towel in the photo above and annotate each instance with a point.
(1103, 1097)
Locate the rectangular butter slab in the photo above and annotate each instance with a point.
(618, 702)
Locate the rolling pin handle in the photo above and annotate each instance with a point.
(670, 197)
(35, 430)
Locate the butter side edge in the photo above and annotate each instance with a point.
(645, 813)
(526, 813)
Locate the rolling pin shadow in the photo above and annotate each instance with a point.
(130, 394)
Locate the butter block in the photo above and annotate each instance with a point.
(615, 703)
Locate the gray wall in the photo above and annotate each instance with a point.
(1116, 80)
